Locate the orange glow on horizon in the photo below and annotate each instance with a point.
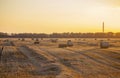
(47, 16)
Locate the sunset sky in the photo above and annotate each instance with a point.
(47, 16)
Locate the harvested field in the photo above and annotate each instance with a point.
(24, 59)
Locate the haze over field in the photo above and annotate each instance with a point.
(59, 15)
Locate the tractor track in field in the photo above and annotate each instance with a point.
(83, 72)
(99, 51)
(111, 61)
(32, 59)
(106, 56)
(96, 60)
(59, 60)
(7, 54)
(41, 63)
(117, 52)
(103, 55)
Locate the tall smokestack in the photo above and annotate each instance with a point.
(103, 27)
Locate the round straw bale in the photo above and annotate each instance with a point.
(62, 45)
(54, 40)
(69, 43)
(36, 42)
(37, 39)
(23, 39)
(104, 44)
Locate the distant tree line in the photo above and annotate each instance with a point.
(61, 35)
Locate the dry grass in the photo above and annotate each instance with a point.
(24, 59)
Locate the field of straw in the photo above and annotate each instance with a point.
(85, 59)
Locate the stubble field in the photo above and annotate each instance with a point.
(24, 59)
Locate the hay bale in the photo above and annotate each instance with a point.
(36, 42)
(95, 38)
(23, 39)
(12, 43)
(32, 38)
(108, 39)
(18, 38)
(41, 38)
(75, 38)
(62, 45)
(84, 39)
(6, 40)
(104, 44)
(37, 39)
(54, 40)
(69, 43)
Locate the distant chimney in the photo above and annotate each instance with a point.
(103, 27)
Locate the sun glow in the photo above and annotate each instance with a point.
(59, 15)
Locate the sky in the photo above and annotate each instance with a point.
(48, 16)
